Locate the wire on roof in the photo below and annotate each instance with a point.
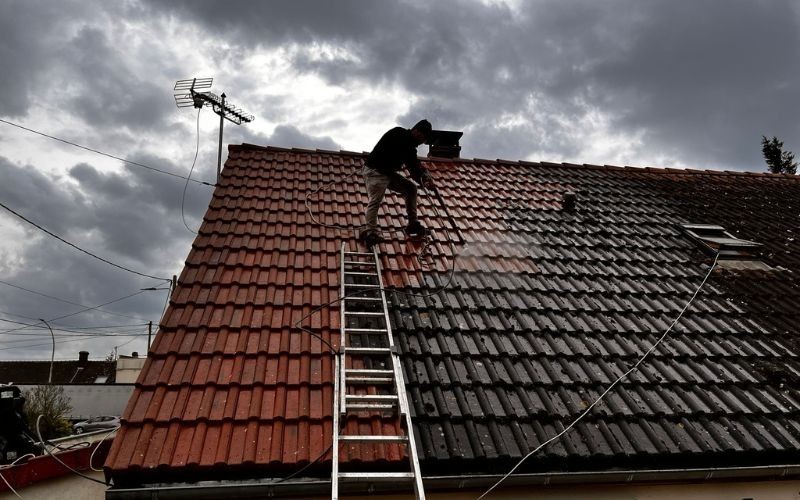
(79, 248)
(611, 386)
(49, 452)
(130, 162)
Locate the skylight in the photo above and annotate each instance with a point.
(713, 238)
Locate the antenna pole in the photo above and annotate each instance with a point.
(221, 123)
(218, 103)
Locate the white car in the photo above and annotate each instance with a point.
(96, 423)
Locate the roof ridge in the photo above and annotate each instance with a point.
(528, 163)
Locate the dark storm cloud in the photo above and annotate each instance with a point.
(23, 52)
(709, 81)
(128, 218)
(698, 81)
(109, 91)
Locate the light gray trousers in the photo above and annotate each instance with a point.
(377, 183)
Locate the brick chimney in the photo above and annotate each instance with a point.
(83, 357)
(444, 144)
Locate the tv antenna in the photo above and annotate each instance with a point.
(188, 93)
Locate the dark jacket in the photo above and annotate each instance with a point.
(396, 147)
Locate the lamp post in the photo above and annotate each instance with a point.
(53, 354)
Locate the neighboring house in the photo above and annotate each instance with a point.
(75, 371)
(570, 273)
(94, 387)
(128, 368)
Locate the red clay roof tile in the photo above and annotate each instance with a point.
(544, 311)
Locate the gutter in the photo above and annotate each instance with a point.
(268, 489)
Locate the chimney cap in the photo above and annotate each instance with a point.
(83, 356)
(444, 144)
(444, 137)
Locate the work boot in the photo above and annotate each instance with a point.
(415, 229)
(370, 238)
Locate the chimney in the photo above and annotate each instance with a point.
(134, 354)
(83, 357)
(444, 144)
(568, 202)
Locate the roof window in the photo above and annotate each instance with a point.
(735, 251)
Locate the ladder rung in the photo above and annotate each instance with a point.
(369, 380)
(370, 407)
(366, 330)
(359, 273)
(366, 299)
(363, 313)
(368, 350)
(360, 371)
(359, 263)
(372, 398)
(376, 476)
(358, 253)
(361, 286)
(392, 439)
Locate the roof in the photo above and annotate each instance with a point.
(64, 372)
(547, 306)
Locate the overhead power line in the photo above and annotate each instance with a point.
(17, 214)
(76, 331)
(65, 342)
(130, 162)
(86, 309)
(65, 301)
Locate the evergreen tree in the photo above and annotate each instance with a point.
(778, 160)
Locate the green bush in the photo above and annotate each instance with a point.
(50, 402)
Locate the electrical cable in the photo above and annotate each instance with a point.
(79, 248)
(99, 442)
(611, 386)
(10, 487)
(49, 452)
(137, 164)
(82, 339)
(87, 309)
(60, 300)
(305, 467)
(76, 330)
(189, 177)
(7, 466)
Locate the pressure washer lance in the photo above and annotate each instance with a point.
(447, 213)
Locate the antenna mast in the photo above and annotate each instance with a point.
(225, 110)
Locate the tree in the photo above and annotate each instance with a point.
(50, 402)
(778, 160)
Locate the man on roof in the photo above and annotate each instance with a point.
(396, 148)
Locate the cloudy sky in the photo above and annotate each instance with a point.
(632, 82)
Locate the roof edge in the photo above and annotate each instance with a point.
(432, 483)
(499, 161)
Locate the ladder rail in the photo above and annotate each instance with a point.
(338, 369)
(344, 402)
(400, 383)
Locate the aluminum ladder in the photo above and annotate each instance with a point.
(369, 378)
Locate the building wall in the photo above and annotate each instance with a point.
(94, 399)
(128, 369)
